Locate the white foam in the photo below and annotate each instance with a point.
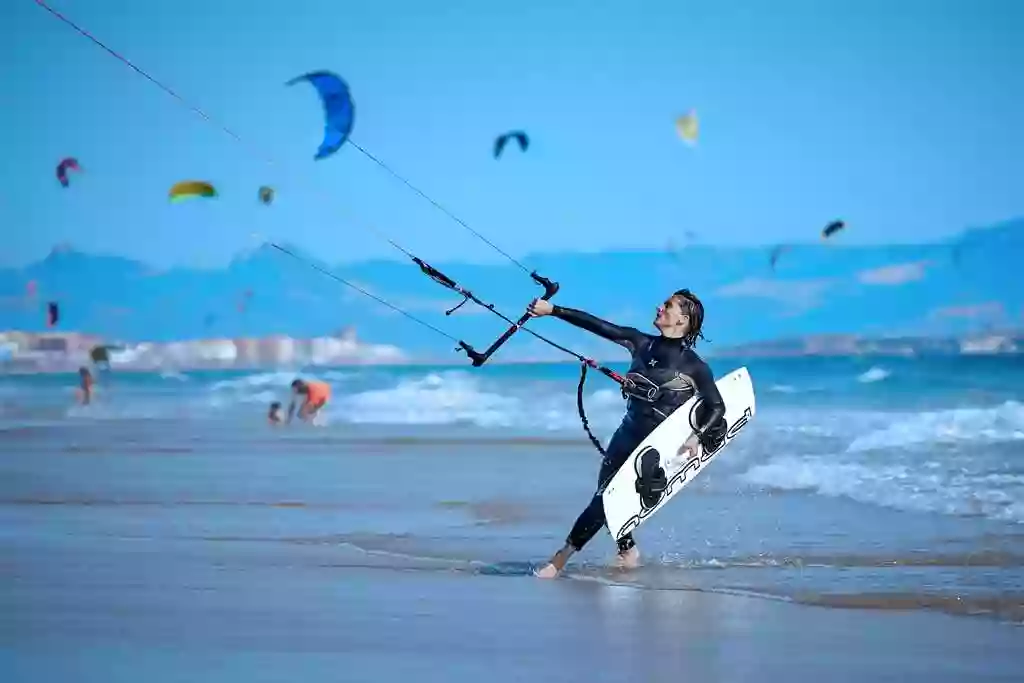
(260, 379)
(337, 375)
(261, 387)
(457, 397)
(944, 489)
(873, 374)
(952, 461)
(435, 399)
(1004, 422)
(228, 400)
(173, 374)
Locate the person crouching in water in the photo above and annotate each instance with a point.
(311, 397)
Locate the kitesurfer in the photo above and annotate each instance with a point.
(315, 395)
(665, 372)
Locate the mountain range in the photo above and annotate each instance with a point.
(966, 284)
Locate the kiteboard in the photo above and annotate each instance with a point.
(630, 500)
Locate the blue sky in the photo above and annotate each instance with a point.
(902, 118)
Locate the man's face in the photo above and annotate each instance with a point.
(671, 315)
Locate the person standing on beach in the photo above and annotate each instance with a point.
(665, 373)
(85, 382)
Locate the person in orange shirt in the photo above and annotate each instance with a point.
(314, 397)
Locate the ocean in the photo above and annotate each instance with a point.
(167, 529)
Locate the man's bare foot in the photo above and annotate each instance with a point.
(557, 563)
(548, 571)
(629, 559)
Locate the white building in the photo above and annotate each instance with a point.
(996, 343)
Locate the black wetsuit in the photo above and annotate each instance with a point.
(664, 374)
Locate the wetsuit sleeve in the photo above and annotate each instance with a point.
(630, 337)
(705, 382)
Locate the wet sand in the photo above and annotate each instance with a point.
(125, 609)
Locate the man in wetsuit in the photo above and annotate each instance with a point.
(665, 373)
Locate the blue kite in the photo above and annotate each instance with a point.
(339, 110)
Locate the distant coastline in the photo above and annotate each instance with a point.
(986, 343)
(32, 352)
(29, 352)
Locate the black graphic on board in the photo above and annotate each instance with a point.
(651, 481)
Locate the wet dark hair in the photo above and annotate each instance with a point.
(692, 307)
(298, 384)
(276, 405)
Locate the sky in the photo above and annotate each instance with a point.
(903, 119)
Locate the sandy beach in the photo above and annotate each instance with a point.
(168, 534)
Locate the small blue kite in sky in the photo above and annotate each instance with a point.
(339, 110)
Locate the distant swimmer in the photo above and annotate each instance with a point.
(84, 390)
(664, 374)
(274, 415)
(314, 397)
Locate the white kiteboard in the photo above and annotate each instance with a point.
(625, 507)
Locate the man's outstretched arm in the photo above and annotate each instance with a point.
(630, 337)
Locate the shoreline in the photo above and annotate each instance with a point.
(278, 620)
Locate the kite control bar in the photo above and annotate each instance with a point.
(550, 289)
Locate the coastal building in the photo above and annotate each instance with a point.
(247, 351)
(276, 350)
(215, 352)
(991, 344)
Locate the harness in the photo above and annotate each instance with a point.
(641, 387)
(633, 386)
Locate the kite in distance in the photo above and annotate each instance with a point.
(63, 167)
(502, 140)
(266, 194)
(826, 232)
(187, 189)
(687, 127)
(832, 228)
(339, 110)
